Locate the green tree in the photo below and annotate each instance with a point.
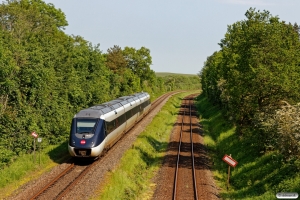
(139, 62)
(260, 64)
(211, 81)
(27, 27)
(115, 60)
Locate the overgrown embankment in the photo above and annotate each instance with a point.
(28, 167)
(258, 175)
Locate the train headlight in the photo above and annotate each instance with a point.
(73, 142)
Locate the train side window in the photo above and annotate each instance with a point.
(136, 110)
(128, 114)
(110, 126)
(121, 119)
(143, 105)
(106, 131)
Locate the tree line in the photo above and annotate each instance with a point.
(46, 76)
(255, 78)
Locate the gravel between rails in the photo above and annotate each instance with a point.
(85, 188)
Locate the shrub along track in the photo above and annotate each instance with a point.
(85, 187)
(194, 179)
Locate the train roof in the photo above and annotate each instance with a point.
(101, 109)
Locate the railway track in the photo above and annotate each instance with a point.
(59, 186)
(161, 99)
(185, 181)
(63, 183)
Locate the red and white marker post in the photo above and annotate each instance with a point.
(231, 162)
(35, 135)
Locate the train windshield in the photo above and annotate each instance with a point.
(85, 125)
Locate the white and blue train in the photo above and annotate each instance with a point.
(97, 128)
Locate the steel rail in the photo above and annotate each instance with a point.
(76, 180)
(52, 182)
(192, 151)
(193, 157)
(178, 155)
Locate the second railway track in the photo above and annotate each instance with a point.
(185, 181)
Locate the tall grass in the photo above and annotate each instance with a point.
(258, 175)
(28, 167)
(132, 178)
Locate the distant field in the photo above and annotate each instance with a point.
(162, 74)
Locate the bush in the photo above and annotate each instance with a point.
(282, 129)
(6, 156)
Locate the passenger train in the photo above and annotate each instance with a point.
(97, 128)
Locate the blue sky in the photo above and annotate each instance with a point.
(180, 34)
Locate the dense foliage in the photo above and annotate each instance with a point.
(254, 75)
(46, 76)
(174, 82)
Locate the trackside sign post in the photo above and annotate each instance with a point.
(35, 135)
(231, 162)
(39, 141)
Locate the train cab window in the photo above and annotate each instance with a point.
(85, 125)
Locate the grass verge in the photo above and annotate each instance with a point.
(29, 167)
(132, 178)
(257, 175)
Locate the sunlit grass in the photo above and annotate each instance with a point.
(209, 141)
(29, 167)
(225, 135)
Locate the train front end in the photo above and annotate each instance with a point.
(87, 137)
